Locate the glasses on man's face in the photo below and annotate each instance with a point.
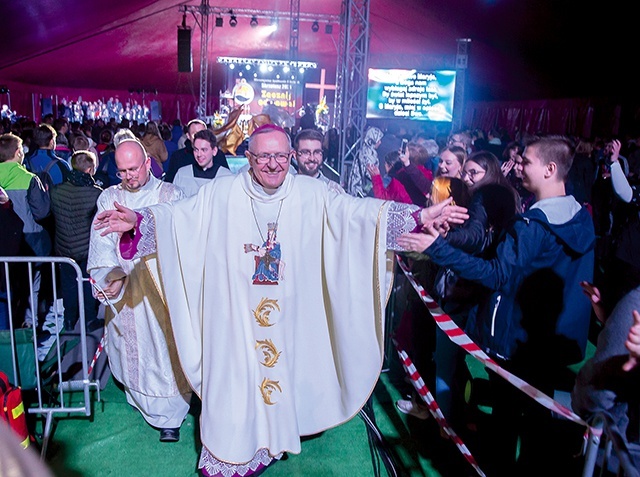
(472, 174)
(265, 157)
(123, 173)
(304, 153)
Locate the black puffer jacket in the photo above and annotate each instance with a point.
(74, 204)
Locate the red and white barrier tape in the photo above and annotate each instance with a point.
(434, 409)
(97, 354)
(459, 337)
(104, 334)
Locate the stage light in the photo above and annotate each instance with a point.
(285, 69)
(233, 21)
(328, 28)
(315, 26)
(254, 21)
(232, 66)
(219, 22)
(248, 67)
(301, 70)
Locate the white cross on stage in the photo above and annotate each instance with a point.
(321, 86)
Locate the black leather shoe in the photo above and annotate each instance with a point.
(170, 435)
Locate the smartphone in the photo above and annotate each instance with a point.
(403, 148)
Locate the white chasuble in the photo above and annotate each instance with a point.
(291, 355)
(142, 353)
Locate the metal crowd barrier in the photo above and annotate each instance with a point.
(53, 395)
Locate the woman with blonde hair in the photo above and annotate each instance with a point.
(452, 159)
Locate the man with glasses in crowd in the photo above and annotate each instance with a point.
(309, 156)
(142, 353)
(273, 355)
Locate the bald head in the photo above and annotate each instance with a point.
(133, 164)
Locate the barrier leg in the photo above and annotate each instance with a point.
(48, 424)
(593, 444)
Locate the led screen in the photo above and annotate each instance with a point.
(411, 94)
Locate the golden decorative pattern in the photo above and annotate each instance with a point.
(270, 352)
(264, 309)
(266, 388)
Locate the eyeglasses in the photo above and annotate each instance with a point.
(306, 153)
(472, 173)
(122, 173)
(265, 157)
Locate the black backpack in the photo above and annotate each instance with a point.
(43, 175)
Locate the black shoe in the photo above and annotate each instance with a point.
(170, 435)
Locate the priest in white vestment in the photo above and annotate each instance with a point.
(140, 346)
(277, 288)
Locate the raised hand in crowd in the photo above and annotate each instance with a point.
(373, 170)
(616, 145)
(507, 166)
(633, 343)
(593, 293)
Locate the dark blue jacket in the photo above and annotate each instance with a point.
(38, 161)
(533, 281)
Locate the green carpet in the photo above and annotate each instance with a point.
(116, 441)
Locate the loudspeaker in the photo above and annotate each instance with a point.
(156, 110)
(46, 106)
(185, 61)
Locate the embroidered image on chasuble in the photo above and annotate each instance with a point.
(268, 261)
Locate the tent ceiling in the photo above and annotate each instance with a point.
(516, 47)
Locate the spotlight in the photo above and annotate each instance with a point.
(328, 28)
(233, 21)
(219, 22)
(254, 21)
(315, 27)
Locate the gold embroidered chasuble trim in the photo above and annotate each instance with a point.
(269, 350)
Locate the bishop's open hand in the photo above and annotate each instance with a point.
(121, 220)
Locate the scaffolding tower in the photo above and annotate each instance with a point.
(352, 80)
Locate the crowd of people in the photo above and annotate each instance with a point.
(522, 241)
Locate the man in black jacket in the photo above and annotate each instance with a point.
(74, 204)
